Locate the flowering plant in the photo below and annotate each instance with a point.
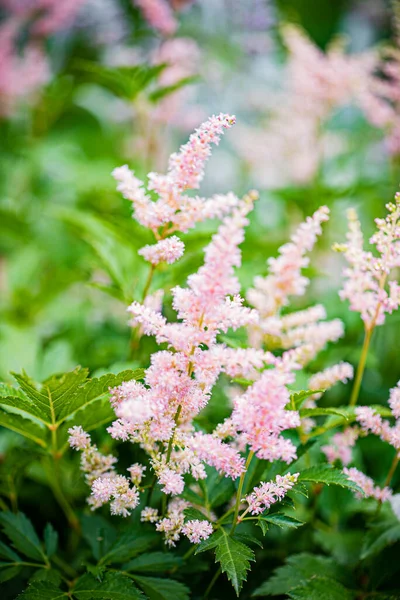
(189, 485)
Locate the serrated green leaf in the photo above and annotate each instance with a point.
(321, 588)
(50, 540)
(380, 536)
(299, 569)
(233, 556)
(297, 398)
(280, 520)
(26, 427)
(156, 588)
(41, 590)
(321, 412)
(153, 562)
(328, 476)
(19, 529)
(8, 553)
(8, 573)
(55, 394)
(94, 389)
(98, 533)
(128, 545)
(113, 586)
(246, 538)
(192, 513)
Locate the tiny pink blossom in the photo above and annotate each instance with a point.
(197, 530)
(168, 250)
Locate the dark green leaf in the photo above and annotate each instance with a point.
(192, 513)
(21, 533)
(50, 540)
(379, 537)
(233, 556)
(299, 569)
(156, 588)
(321, 588)
(280, 520)
(114, 586)
(41, 590)
(128, 545)
(98, 533)
(153, 562)
(328, 476)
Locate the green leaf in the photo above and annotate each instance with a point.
(379, 537)
(26, 427)
(42, 590)
(321, 588)
(114, 586)
(55, 394)
(192, 513)
(94, 389)
(162, 92)
(19, 529)
(7, 573)
(153, 562)
(233, 556)
(98, 533)
(328, 476)
(280, 520)
(50, 540)
(321, 412)
(297, 571)
(128, 545)
(156, 588)
(297, 398)
(124, 82)
(8, 553)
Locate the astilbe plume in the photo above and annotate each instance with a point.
(21, 74)
(174, 210)
(366, 284)
(302, 333)
(159, 15)
(292, 144)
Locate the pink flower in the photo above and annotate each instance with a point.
(266, 494)
(78, 439)
(260, 416)
(159, 15)
(327, 378)
(366, 275)
(367, 485)
(197, 530)
(168, 250)
(285, 279)
(341, 446)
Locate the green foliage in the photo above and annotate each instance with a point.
(156, 588)
(66, 400)
(298, 571)
(234, 556)
(328, 476)
(280, 520)
(113, 586)
(20, 531)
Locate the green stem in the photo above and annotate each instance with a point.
(361, 367)
(169, 452)
(212, 583)
(70, 571)
(148, 282)
(239, 492)
(392, 470)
